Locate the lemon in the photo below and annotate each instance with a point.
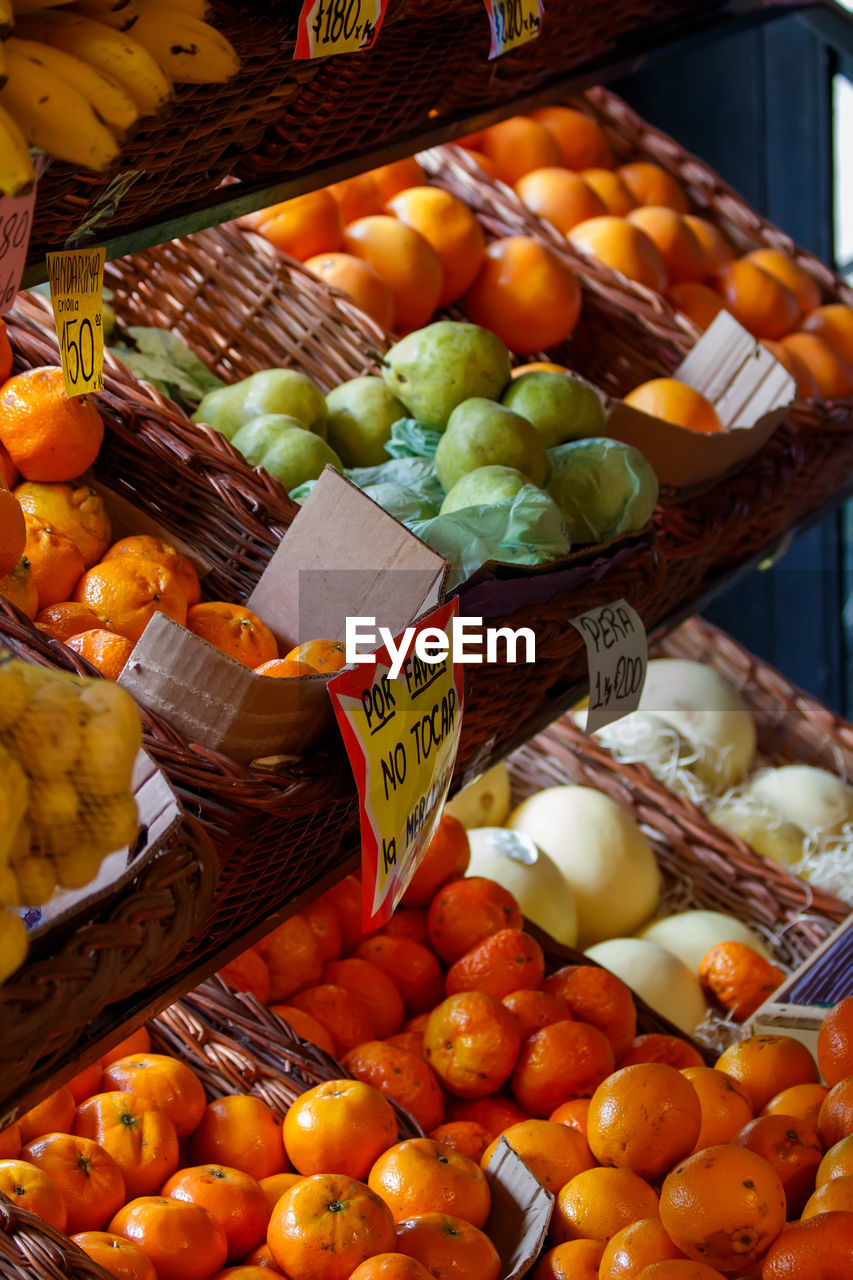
(46, 738)
(105, 761)
(36, 878)
(8, 887)
(14, 694)
(13, 944)
(53, 801)
(79, 867)
(113, 824)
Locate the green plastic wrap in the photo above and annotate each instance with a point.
(603, 488)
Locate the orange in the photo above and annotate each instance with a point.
(679, 247)
(553, 1152)
(184, 1241)
(519, 145)
(807, 383)
(320, 655)
(67, 619)
(835, 1118)
(574, 1260)
(19, 589)
(305, 225)
(422, 1176)
(48, 435)
(789, 1146)
(390, 1266)
(783, 268)
(411, 1040)
(8, 470)
(340, 1126)
(560, 196)
(835, 1042)
(54, 1114)
(138, 1041)
(699, 302)
(13, 531)
(451, 228)
(401, 1074)
(104, 649)
(723, 1206)
(306, 1027)
(391, 178)
(763, 305)
(346, 1020)
(78, 512)
(242, 1132)
(446, 858)
(716, 246)
(766, 1064)
(634, 1247)
(525, 294)
(833, 1197)
(235, 630)
(655, 1047)
(345, 897)
(357, 197)
(448, 1247)
(275, 1186)
(234, 1198)
(327, 1225)
(280, 668)
(565, 1060)
(675, 402)
(28, 1186)
(10, 1142)
(376, 991)
(802, 1100)
(580, 139)
(837, 1163)
(643, 1118)
(650, 184)
(358, 281)
(737, 979)
(116, 1255)
(834, 324)
(464, 1136)
(258, 1271)
(248, 972)
(56, 563)
(91, 1181)
(162, 1081)
(471, 1043)
(610, 189)
(598, 997)
(325, 924)
(405, 260)
(535, 1009)
(538, 366)
(126, 593)
(723, 1103)
(142, 1140)
(623, 247)
(292, 956)
(412, 967)
(465, 912)
(819, 1249)
(680, 1269)
(501, 962)
(161, 552)
(573, 1113)
(597, 1203)
(832, 372)
(262, 1257)
(494, 1112)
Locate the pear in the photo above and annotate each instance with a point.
(435, 369)
(481, 433)
(560, 406)
(279, 391)
(483, 488)
(222, 409)
(361, 415)
(285, 449)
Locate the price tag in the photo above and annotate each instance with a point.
(617, 656)
(401, 735)
(16, 220)
(76, 295)
(338, 26)
(513, 22)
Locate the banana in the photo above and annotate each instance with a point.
(109, 101)
(194, 8)
(120, 19)
(119, 55)
(35, 6)
(16, 166)
(191, 51)
(107, 6)
(55, 116)
(2, 65)
(7, 18)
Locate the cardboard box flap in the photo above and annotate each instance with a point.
(338, 558)
(520, 1214)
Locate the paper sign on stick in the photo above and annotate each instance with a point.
(16, 220)
(76, 295)
(513, 22)
(401, 737)
(337, 26)
(617, 656)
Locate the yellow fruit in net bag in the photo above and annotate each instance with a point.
(13, 943)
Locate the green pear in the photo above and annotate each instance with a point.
(434, 369)
(285, 391)
(222, 409)
(284, 448)
(361, 415)
(561, 406)
(484, 487)
(481, 433)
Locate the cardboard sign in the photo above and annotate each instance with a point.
(338, 26)
(401, 737)
(617, 656)
(16, 220)
(76, 295)
(513, 22)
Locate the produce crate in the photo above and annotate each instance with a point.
(242, 306)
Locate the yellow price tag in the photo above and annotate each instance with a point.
(513, 22)
(401, 730)
(76, 295)
(337, 26)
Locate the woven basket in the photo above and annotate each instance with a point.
(30, 1249)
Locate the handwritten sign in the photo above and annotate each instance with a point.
(76, 295)
(338, 26)
(513, 22)
(617, 656)
(401, 736)
(16, 220)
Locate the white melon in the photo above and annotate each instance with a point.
(542, 892)
(690, 935)
(485, 803)
(814, 799)
(657, 976)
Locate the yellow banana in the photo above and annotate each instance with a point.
(119, 55)
(120, 19)
(107, 6)
(16, 166)
(109, 101)
(194, 8)
(55, 116)
(7, 18)
(2, 65)
(34, 6)
(191, 51)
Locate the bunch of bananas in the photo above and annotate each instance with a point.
(76, 76)
(67, 749)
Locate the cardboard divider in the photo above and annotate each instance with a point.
(520, 1213)
(799, 1006)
